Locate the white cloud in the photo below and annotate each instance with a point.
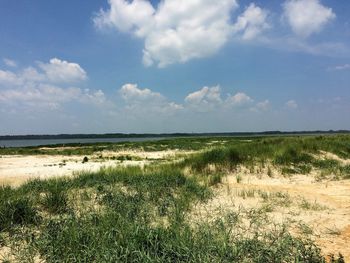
(42, 96)
(45, 86)
(63, 71)
(141, 102)
(131, 92)
(209, 98)
(9, 62)
(125, 15)
(49, 96)
(291, 104)
(307, 16)
(56, 71)
(31, 74)
(177, 31)
(205, 99)
(252, 22)
(263, 105)
(8, 78)
(96, 97)
(206, 95)
(239, 99)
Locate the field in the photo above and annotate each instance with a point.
(207, 199)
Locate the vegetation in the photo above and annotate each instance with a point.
(263, 146)
(136, 214)
(289, 154)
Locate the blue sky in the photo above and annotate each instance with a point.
(173, 66)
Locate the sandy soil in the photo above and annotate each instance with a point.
(15, 170)
(329, 218)
(327, 155)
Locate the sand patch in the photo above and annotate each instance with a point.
(327, 155)
(17, 169)
(300, 200)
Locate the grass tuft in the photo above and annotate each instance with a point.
(55, 200)
(17, 212)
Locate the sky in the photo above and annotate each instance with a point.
(173, 66)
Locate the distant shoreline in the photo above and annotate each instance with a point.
(163, 135)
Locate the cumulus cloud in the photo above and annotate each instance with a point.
(307, 16)
(239, 99)
(56, 71)
(252, 22)
(291, 104)
(46, 86)
(24, 77)
(9, 62)
(8, 77)
(210, 99)
(145, 101)
(96, 97)
(205, 99)
(263, 105)
(46, 96)
(42, 95)
(140, 102)
(125, 15)
(63, 71)
(131, 92)
(176, 31)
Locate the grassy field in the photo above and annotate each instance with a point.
(148, 214)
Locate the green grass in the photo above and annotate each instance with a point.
(266, 146)
(139, 214)
(17, 212)
(55, 200)
(110, 238)
(292, 155)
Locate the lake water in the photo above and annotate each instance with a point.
(26, 143)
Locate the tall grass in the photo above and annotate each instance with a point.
(290, 154)
(16, 209)
(142, 216)
(55, 200)
(337, 144)
(136, 214)
(111, 238)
